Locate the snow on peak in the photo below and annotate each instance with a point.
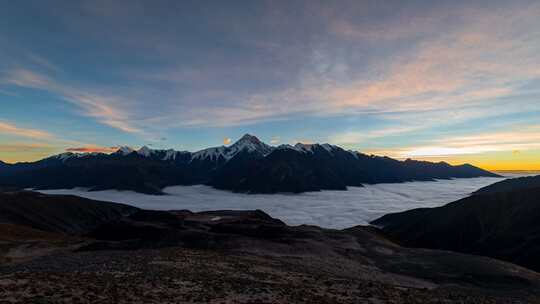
(247, 142)
(144, 151)
(64, 156)
(68, 155)
(125, 150)
(247, 138)
(303, 147)
(309, 148)
(251, 143)
(211, 153)
(328, 147)
(170, 154)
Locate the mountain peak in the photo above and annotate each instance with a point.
(247, 143)
(125, 150)
(63, 156)
(248, 138)
(251, 143)
(144, 151)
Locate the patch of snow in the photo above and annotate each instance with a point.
(145, 151)
(246, 143)
(328, 147)
(211, 153)
(354, 153)
(64, 156)
(69, 155)
(170, 154)
(125, 150)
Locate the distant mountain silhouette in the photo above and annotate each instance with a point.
(501, 221)
(248, 165)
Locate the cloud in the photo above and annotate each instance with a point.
(433, 63)
(27, 78)
(105, 108)
(12, 129)
(488, 57)
(275, 140)
(330, 209)
(356, 137)
(92, 149)
(24, 147)
(527, 138)
(8, 93)
(37, 59)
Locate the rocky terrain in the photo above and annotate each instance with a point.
(501, 221)
(140, 256)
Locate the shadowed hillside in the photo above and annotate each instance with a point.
(501, 221)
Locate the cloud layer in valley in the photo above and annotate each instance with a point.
(331, 209)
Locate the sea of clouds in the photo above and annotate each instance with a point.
(330, 209)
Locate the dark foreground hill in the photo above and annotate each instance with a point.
(500, 221)
(512, 184)
(248, 165)
(141, 256)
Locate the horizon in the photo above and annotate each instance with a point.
(447, 81)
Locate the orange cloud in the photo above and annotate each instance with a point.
(12, 129)
(92, 149)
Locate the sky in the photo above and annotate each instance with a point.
(457, 81)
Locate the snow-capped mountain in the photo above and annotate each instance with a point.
(248, 165)
(69, 155)
(125, 150)
(310, 148)
(247, 143)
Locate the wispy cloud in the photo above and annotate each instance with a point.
(102, 107)
(12, 129)
(489, 56)
(527, 138)
(23, 147)
(275, 140)
(356, 137)
(39, 60)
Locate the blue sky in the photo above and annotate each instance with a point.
(455, 80)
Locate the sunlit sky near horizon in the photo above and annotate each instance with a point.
(457, 81)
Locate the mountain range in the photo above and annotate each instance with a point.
(249, 165)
